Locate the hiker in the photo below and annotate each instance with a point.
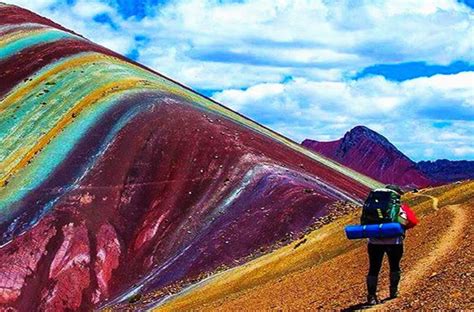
(389, 199)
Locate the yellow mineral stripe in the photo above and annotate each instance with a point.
(91, 57)
(8, 38)
(68, 65)
(91, 98)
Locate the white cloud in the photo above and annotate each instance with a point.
(268, 40)
(405, 112)
(207, 75)
(464, 151)
(287, 36)
(89, 9)
(36, 6)
(80, 18)
(288, 63)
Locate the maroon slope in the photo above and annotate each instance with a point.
(370, 153)
(158, 187)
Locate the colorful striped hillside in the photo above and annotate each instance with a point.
(115, 180)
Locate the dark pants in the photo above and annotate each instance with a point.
(376, 252)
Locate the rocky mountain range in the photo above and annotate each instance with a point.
(370, 153)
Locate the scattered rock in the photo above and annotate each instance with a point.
(135, 298)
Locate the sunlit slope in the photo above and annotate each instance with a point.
(312, 250)
(115, 180)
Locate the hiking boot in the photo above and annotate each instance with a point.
(372, 300)
(372, 290)
(394, 280)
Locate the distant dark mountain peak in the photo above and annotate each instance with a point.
(355, 137)
(364, 132)
(370, 153)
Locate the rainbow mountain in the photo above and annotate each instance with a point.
(116, 180)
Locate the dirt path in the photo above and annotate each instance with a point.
(448, 241)
(434, 199)
(320, 286)
(426, 264)
(437, 262)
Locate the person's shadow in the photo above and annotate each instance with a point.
(355, 307)
(361, 306)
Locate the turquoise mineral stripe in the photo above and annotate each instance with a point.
(32, 118)
(200, 101)
(65, 83)
(54, 153)
(32, 39)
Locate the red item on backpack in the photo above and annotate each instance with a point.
(411, 218)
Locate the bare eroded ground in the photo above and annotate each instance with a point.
(437, 270)
(437, 274)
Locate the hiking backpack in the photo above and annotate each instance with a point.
(381, 206)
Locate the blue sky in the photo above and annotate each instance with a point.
(308, 69)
